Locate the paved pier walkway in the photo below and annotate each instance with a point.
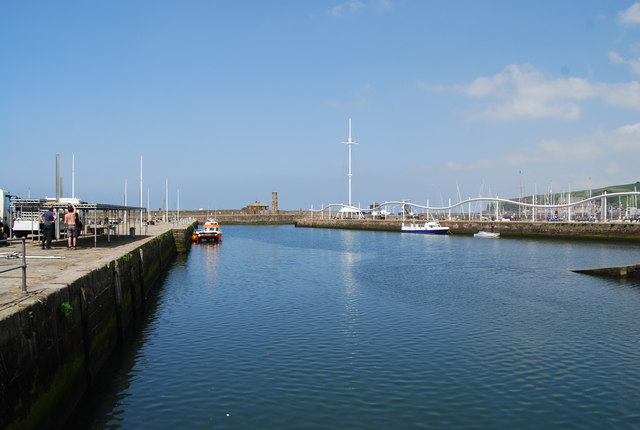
(52, 273)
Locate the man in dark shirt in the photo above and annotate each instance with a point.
(48, 218)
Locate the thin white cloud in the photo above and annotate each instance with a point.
(360, 99)
(355, 6)
(613, 169)
(630, 16)
(622, 142)
(452, 165)
(359, 103)
(574, 149)
(631, 129)
(429, 87)
(618, 59)
(346, 8)
(383, 5)
(523, 92)
(625, 138)
(626, 95)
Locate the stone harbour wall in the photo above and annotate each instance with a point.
(52, 349)
(258, 219)
(556, 230)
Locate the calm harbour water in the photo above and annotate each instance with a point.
(285, 328)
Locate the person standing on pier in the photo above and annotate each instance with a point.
(72, 231)
(48, 218)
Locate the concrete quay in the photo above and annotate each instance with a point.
(50, 269)
(55, 338)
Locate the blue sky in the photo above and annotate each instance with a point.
(231, 100)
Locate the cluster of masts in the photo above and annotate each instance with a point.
(593, 208)
(59, 191)
(590, 205)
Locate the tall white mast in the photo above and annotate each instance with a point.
(349, 143)
(166, 200)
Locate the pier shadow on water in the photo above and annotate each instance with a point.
(96, 410)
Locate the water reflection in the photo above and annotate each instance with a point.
(349, 261)
(211, 258)
(630, 283)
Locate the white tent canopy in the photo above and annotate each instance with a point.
(348, 212)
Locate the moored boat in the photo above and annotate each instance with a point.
(210, 232)
(429, 227)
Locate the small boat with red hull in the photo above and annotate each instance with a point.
(210, 232)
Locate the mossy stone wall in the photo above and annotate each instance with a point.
(52, 348)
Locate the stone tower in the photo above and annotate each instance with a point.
(274, 202)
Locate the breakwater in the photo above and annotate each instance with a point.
(236, 217)
(53, 344)
(248, 219)
(555, 230)
(632, 271)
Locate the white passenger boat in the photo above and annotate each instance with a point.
(429, 227)
(210, 232)
(487, 234)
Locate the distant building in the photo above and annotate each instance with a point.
(256, 208)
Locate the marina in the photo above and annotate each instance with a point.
(320, 215)
(327, 331)
(54, 274)
(86, 306)
(420, 231)
(605, 207)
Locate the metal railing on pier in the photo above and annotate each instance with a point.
(182, 221)
(22, 266)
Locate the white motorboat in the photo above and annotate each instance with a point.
(210, 232)
(487, 234)
(430, 227)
